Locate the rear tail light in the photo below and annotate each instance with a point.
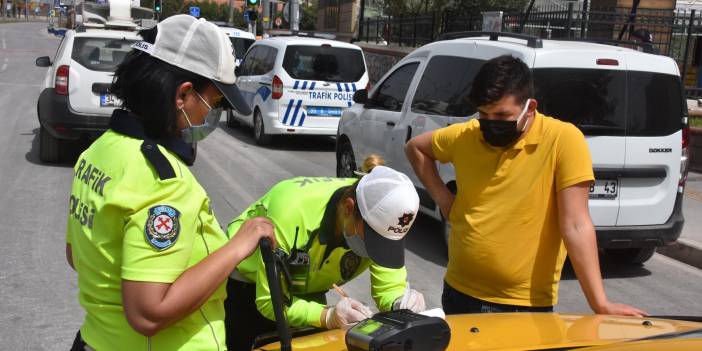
(61, 82)
(277, 88)
(608, 62)
(684, 158)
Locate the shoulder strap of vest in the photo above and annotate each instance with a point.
(158, 160)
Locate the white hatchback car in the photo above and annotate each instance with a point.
(298, 85)
(75, 102)
(628, 104)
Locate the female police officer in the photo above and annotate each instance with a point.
(150, 255)
(330, 230)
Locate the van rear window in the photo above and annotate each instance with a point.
(609, 102)
(100, 54)
(655, 104)
(331, 64)
(594, 100)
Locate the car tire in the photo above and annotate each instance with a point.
(345, 161)
(259, 130)
(50, 148)
(631, 256)
(231, 121)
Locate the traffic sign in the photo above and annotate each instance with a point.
(194, 11)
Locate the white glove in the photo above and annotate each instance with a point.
(412, 300)
(346, 313)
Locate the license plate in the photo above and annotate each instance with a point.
(324, 111)
(107, 100)
(604, 189)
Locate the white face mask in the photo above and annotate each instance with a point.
(194, 134)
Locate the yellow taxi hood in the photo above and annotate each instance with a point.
(520, 331)
(652, 345)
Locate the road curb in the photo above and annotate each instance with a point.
(685, 251)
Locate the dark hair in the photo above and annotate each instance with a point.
(147, 87)
(502, 76)
(643, 34)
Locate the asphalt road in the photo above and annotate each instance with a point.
(38, 301)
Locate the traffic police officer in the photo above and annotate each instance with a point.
(329, 230)
(151, 258)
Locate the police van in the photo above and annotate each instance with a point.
(241, 41)
(298, 85)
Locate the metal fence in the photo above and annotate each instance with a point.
(675, 33)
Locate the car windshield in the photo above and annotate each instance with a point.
(240, 45)
(100, 54)
(325, 63)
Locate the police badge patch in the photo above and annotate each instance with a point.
(349, 265)
(162, 227)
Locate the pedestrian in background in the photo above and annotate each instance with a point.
(523, 183)
(151, 258)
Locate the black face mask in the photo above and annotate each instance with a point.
(499, 133)
(502, 133)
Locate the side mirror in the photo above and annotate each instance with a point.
(360, 96)
(237, 71)
(43, 61)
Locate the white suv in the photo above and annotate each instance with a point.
(298, 85)
(75, 102)
(628, 104)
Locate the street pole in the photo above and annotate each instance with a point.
(294, 15)
(266, 16)
(231, 13)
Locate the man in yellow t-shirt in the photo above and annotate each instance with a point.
(522, 181)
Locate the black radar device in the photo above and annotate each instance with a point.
(400, 330)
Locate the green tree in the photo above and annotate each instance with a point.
(308, 17)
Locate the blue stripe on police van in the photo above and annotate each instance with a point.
(304, 85)
(302, 119)
(297, 109)
(346, 86)
(287, 112)
(312, 86)
(338, 86)
(296, 84)
(353, 85)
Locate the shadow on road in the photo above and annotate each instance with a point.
(282, 142)
(69, 155)
(426, 240)
(611, 269)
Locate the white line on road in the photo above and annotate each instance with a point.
(4, 43)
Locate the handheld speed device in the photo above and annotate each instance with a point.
(399, 330)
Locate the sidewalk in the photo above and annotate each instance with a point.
(688, 249)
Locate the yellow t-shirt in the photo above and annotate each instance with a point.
(505, 245)
(126, 223)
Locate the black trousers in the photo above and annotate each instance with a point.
(456, 302)
(242, 319)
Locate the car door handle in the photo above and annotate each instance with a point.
(390, 124)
